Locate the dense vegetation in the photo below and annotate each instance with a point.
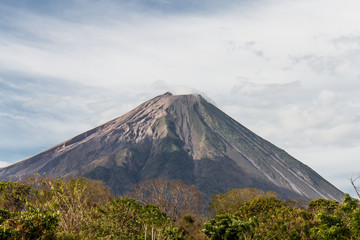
(80, 208)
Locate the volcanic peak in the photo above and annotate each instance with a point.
(177, 137)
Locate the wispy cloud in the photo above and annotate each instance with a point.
(36, 113)
(285, 69)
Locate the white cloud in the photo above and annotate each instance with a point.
(4, 164)
(288, 70)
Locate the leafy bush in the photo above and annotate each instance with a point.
(32, 224)
(322, 219)
(125, 218)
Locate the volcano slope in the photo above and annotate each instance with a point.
(177, 137)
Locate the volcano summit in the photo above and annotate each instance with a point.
(177, 137)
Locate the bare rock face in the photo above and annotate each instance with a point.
(177, 137)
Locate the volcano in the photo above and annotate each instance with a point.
(177, 137)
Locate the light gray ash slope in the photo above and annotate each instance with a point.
(177, 137)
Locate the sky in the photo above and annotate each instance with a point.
(287, 70)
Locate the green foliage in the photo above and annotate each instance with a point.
(13, 195)
(323, 205)
(336, 220)
(355, 222)
(349, 204)
(330, 227)
(20, 221)
(275, 219)
(80, 208)
(191, 227)
(32, 224)
(125, 218)
(228, 227)
(75, 200)
(231, 201)
(260, 206)
(322, 219)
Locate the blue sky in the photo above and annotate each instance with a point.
(287, 70)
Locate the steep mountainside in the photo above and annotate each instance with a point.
(177, 137)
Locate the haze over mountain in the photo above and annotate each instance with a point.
(177, 137)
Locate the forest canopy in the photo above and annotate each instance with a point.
(81, 208)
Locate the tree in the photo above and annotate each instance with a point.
(229, 227)
(323, 205)
(125, 218)
(232, 200)
(191, 227)
(14, 195)
(356, 188)
(79, 208)
(173, 197)
(75, 200)
(32, 224)
(322, 219)
(336, 221)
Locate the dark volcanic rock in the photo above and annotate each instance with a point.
(177, 137)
